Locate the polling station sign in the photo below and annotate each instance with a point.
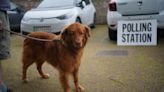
(137, 32)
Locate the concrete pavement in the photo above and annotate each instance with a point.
(105, 67)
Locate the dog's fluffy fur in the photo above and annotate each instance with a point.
(64, 54)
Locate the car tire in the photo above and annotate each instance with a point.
(112, 34)
(93, 25)
(78, 20)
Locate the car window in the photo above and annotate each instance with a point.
(56, 3)
(87, 2)
(12, 6)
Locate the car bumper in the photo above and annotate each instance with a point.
(114, 17)
(51, 25)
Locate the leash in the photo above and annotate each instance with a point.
(25, 36)
(33, 38)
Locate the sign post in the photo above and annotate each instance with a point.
(137, 33)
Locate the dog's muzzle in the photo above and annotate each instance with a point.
(78, 44)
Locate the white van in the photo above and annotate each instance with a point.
(133, 10)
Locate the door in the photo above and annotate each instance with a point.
(87, 12)
(137, 7)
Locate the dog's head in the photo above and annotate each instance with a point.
(76, 35)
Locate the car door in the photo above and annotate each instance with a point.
(137, 7)
(87, 12)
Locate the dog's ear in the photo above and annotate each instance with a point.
(67, 32)
(87, 29)
(63, 34)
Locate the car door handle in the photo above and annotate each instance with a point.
(122, 3)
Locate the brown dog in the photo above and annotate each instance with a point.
(64, 54)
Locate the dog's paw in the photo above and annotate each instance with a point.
(45, 76)
(80, 89)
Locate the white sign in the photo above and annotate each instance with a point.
(137, 32)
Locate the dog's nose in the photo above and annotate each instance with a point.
(78, 44)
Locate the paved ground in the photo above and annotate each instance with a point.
(105, 67)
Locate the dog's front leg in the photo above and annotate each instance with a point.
(39, 68)
(65, 82)
(78, 87)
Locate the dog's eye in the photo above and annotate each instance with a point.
(70, 32)
(81, 33)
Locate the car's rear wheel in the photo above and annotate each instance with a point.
(93, 25)
(112, 34)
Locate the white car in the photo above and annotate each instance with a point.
(133, 10)
(52, 15)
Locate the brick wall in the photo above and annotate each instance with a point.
(101, 7)
(101, 10)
